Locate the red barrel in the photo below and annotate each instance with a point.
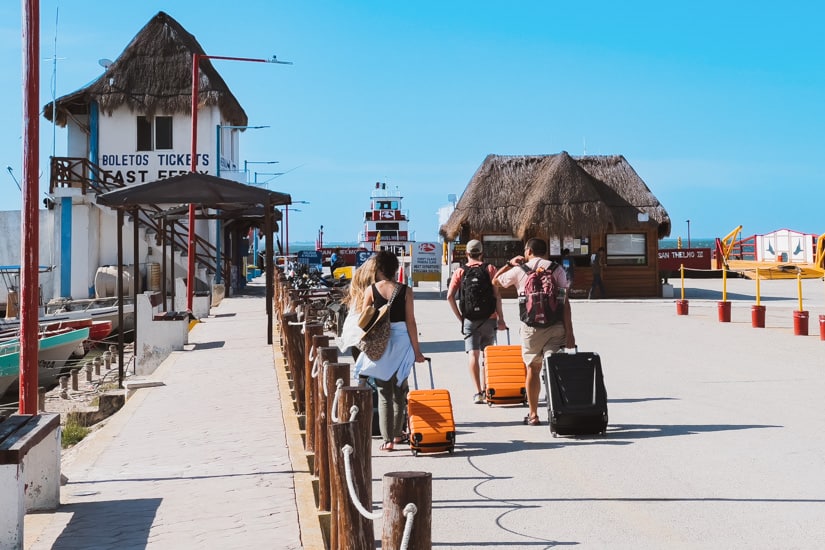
(758, 316)
(681, 307)
(724, 311)
(822, 327)
(800, 323)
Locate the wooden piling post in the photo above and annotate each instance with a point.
(361, 397)
(329, 355)
(401, 489)
(287, 332)
(318, 341)
(348, 528)
(300, 367)
(334, 372)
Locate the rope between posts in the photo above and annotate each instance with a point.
(347, 450)
(316, 366)
(409, 510)
(338, 385)
(353, 413)
(303, 325)
(324, 379)
(312, 353)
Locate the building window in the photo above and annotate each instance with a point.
(144, 134)
(499, 249)
(154, 133)
(627, 249)
(163, 132)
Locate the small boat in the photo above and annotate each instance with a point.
(63, 310)
(54, 349)
(98, 329)
(386, 225)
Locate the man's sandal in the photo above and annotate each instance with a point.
(387, 446)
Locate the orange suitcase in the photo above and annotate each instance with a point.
(430, 416)
(504, 375)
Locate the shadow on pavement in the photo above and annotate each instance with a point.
(705, 294)
(108, 524)
(208, 345)
(446, 346)
(642, 431)
(641, 399)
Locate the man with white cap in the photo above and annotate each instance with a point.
(480, 313)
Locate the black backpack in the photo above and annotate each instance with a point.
(476, 297)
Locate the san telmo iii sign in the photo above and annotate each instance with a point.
(145, 167)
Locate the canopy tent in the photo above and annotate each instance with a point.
(235, 200)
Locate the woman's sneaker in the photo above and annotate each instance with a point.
(478, 399)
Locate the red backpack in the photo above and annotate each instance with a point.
(541, 303)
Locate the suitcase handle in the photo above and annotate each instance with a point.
(507, 330)
(415, 376)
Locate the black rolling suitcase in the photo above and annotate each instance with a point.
(576, 396)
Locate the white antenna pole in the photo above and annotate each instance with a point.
(585, 145)
(54, 84)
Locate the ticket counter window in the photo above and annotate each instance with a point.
(627, 249)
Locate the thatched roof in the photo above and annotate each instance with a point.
(554, 195)
(154, 74)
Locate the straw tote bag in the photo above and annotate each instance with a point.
(377, 334)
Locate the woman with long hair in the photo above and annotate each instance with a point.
(351, 333)
(392, 369)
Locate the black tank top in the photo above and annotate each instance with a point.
(398, 311)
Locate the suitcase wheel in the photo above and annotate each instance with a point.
(415, 452)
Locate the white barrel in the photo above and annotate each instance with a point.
(106, 281)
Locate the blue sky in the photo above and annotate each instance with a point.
(718, 106)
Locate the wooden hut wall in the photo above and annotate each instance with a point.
(620, 281)
(631, 281)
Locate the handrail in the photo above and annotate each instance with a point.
(81, 173)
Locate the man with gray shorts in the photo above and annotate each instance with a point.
(478, 333)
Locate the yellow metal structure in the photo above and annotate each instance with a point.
(753, 269)
(728, 241)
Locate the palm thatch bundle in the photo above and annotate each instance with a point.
(154, 75)
(554, 195)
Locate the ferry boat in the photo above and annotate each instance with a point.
(386, 225)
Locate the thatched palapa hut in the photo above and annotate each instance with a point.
(154, 75)
(579, 203)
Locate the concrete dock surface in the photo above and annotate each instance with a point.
(715, 439)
